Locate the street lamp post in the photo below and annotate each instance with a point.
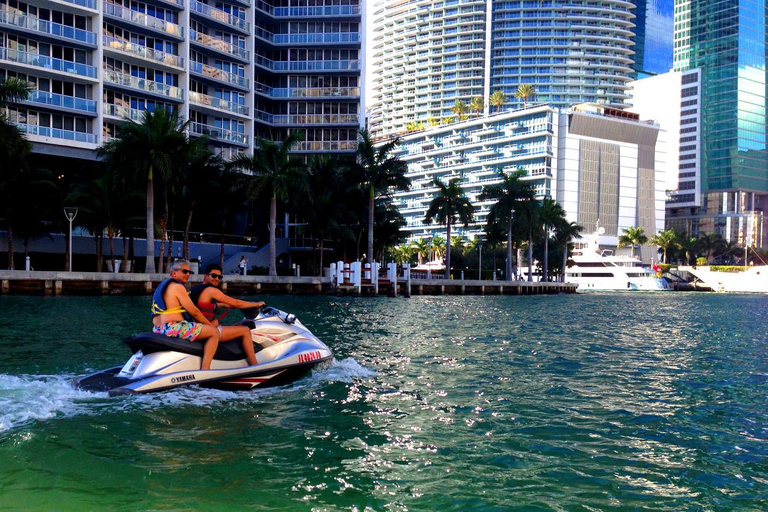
(70, 213)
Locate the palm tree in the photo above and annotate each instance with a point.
(420, 247)
(498, 99)
(530, 214)
(632, 236)
(378, 173)
(449, 205)
(509, 196)
(687, 247)
(477, 105)
(665, 240)
(710, 244)
(523, 92)
(437, 246)
(278, 173)
(460, 109)
(155, 149)
(202, 180)
(551, 214)
(565, 232)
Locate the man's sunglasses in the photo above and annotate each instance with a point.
(216, 276)
(186, 271)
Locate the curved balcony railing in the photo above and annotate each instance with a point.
(218, 103)
(139, 18)
(142, 84)
(41, 61)
(218, 74)
(308, 92)
(219, 133)
(50, 99)
(143, 51)
(311, 65)
(219, 15)
(47, 27)
(218, 45)
(307, 118)
(57, 133)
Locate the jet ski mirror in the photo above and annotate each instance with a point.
(250, 312)
(289, 318)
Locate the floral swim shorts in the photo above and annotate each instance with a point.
(181, 329)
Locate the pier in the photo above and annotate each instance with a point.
(51, 283)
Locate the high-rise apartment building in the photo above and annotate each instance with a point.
(727, 40)
(427, 54)
(653, 37)
(234, 68)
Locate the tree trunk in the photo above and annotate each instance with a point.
(163, 234)
(170, 241)
(221, 250)
(97, 242)
(66, 253)
(565, 262)
(272, 227)
(10, 246)
(111, 235)
(124, 270)
(322, 245)
(530, 256)
(131, 252)
(448, 251)
(150, 267)
(370, 225)
(544, 269)
(185, 250)
(508, 276)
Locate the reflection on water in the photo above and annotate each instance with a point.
(596, 401)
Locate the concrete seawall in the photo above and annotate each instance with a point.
(107, 283)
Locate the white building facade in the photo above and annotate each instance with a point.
(599, 163)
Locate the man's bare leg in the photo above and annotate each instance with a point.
(232, 332)
(211, 335)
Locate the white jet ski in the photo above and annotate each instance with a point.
(285, 350)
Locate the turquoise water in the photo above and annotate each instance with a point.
(572, 402)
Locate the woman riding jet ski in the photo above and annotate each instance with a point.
(285, 351)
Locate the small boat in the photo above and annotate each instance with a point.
(753, 279)
(601, 269)
(286, 350)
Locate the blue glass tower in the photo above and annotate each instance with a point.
(653, 37)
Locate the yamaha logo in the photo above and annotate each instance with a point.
(182, 378)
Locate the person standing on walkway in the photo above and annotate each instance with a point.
(243, 264)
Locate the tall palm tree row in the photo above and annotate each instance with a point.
(449, 205)
(632, 237)
(498, 99)
(525, 92)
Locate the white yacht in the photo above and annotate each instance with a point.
(753, 279)
(601, 269)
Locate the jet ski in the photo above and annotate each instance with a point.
(285, 350)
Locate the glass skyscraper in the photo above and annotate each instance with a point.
(653, 37)
(427, 54)
(727, 40)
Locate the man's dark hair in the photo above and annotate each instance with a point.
(212, 266)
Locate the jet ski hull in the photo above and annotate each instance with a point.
(286, 351)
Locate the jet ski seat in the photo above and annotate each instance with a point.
(149, 342)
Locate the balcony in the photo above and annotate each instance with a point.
(307, 119)
(218, 45)
(56, 30)
(88, 4)
(122, 112)
(49, 63)
(220, 134)
(143, 52)
(204, 70)
(144, 85)
(53, 100)
(220, 16)
(310, 38)
(327, 11)
(141, 19)
(57, 133)
(308, 92)
(219, 104)
(311, 65)
(325, 146)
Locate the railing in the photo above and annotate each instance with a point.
(219, 133)
(312, 65)
(218, 45)
(139, 18)
(42, 61)
(144, 52)
(304, 12)
(307, 118)
(218, 74)
(47, 27)
(326, 145)
(59, 100)
(214, 102)
(219, 15)
(133, 114)
(307, 92)
(313, 38)
(90, 4)
(56, 133)
(143, 84)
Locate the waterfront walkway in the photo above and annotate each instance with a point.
(18, 282)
